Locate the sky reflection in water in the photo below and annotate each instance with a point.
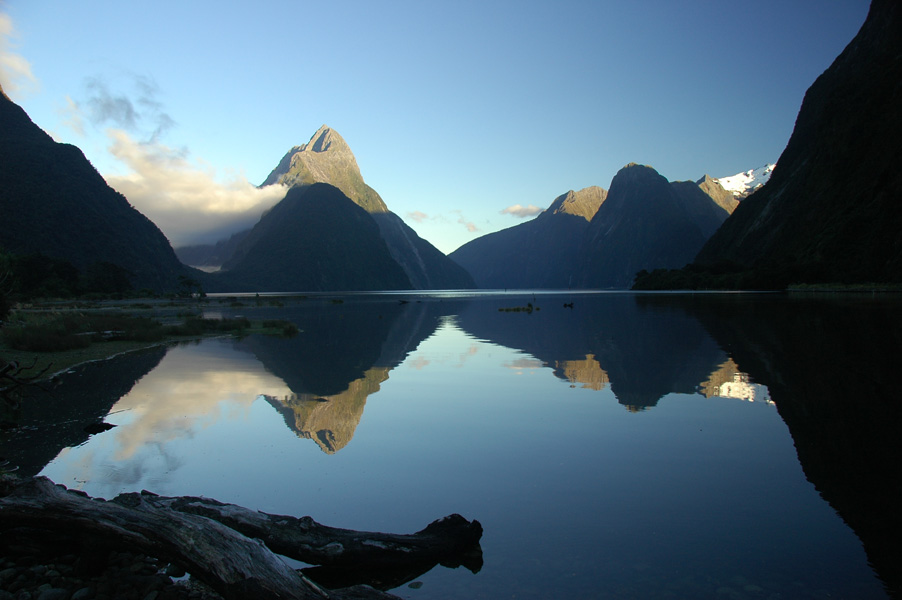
(583, 490)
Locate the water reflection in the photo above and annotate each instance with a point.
(330, 421)
(441, 404)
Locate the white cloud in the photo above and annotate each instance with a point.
(16, 77)
(417, 216)
(185, 198)
(522, 212)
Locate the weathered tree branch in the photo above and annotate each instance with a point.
(306, 540)
(228, 547)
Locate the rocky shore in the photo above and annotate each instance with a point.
(116, 575)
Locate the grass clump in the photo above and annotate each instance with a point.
(70, 331)
(198, 326)
(286, 328)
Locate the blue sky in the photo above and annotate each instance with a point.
(455, 111)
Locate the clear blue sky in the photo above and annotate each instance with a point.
(454, 110)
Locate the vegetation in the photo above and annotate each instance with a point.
(722, 276)
(65, 337)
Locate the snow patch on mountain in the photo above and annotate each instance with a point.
(743, 184)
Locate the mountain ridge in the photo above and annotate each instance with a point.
(55, 203)
(830, 211)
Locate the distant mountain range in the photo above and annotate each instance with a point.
(541, 253)
(599, 239)
(54, 203)
(830, 212)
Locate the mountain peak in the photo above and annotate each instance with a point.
(323, 140)
(743, 184)
(583, 203)
(326, 158)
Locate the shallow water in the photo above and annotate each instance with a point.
(615, 449)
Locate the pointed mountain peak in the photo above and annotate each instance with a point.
(326, 158)
(583, 203)
(323, 141)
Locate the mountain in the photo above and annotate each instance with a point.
(541, 253)
(211, 255)
(327, 158)
(831, 211)
(723, 197)
(646, 223)
(743, 184)
(315, 239)
(55, 203)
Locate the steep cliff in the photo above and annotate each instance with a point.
(831, 211)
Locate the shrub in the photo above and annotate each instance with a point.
(44, 338)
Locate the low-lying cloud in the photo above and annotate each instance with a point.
(185, 198)
(522, 212)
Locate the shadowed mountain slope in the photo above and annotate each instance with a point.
(645, 223)
(54, 202)
(541, 253)
(831, 211)
(315, 239)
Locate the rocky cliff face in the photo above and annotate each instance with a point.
(583, 203)
(55, 203)
(327, 158)
(542, 253)
(722, 197)
(831, 211)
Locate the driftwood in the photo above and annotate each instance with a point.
(233, 549)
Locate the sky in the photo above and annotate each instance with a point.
(466, 117)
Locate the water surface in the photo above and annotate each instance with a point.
(629, 446)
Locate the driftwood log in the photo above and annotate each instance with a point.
(233, 549)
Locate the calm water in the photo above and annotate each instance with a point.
(629, 446)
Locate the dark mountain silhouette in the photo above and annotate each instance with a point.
(315, 239)
(327, 158)
(211, 255)
(53, 202)
(645, 223)
(541, 253)
(832, 211)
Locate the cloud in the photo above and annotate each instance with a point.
(186, 198)
(470, 225)
(417, 216)
(138, 112)
(72, 117)
(15, 72)
(521, 212)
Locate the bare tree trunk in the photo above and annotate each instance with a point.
(228, 547)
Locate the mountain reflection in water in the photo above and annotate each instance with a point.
(424, 405)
